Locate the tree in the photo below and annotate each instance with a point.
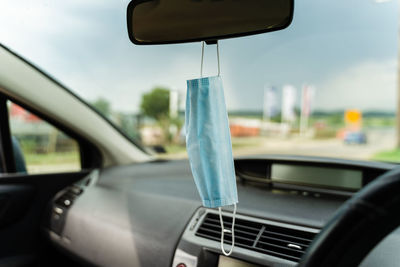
(103, 106)
(155, 104)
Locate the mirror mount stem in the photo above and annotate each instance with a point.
(211, 42)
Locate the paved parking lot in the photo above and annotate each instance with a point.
(378, 140)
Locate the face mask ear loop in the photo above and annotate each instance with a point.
(223, 231)
(202, 58)
(219, 69)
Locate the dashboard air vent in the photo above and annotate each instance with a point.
(268, 239)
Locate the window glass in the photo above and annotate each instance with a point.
(326, 86)
(40, 147)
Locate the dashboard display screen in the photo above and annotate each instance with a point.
(344, 179)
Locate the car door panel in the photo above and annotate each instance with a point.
(23, 201)
(14, 202)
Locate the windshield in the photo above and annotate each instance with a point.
(325, 86)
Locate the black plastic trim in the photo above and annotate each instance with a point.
(6, 150)
(24, 235)
(370, 170)
(322, 161)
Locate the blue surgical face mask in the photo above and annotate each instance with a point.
(209, 146)
(208, 142)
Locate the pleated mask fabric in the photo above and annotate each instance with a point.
(208, 142)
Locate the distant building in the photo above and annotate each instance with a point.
(19, 113)
(242, 127)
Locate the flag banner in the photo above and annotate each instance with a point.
(270, 105)
(308, 94)
(289, 103)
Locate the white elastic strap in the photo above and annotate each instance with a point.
(219, 69)
(202, 59)
(223, 231)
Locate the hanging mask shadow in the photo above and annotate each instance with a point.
(209, 147)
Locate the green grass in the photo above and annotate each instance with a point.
(379, 122)
(389, 156)
(174, 149)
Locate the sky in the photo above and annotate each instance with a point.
(346, 49)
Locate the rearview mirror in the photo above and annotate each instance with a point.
(180, 21)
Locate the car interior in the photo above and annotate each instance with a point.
(119, 204)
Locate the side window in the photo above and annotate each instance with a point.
(38, 146)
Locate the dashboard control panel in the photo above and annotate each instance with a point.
(258, 242)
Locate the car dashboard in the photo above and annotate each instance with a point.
(150, 214)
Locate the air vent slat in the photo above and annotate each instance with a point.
(301, 235)
(261, 250)
(237, 231)
(228, 224)
(268, 234)
(282, 242)
(209, 237)
(265, 244)
(228, 239)
(217, 234)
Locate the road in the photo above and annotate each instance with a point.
(378, 140)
